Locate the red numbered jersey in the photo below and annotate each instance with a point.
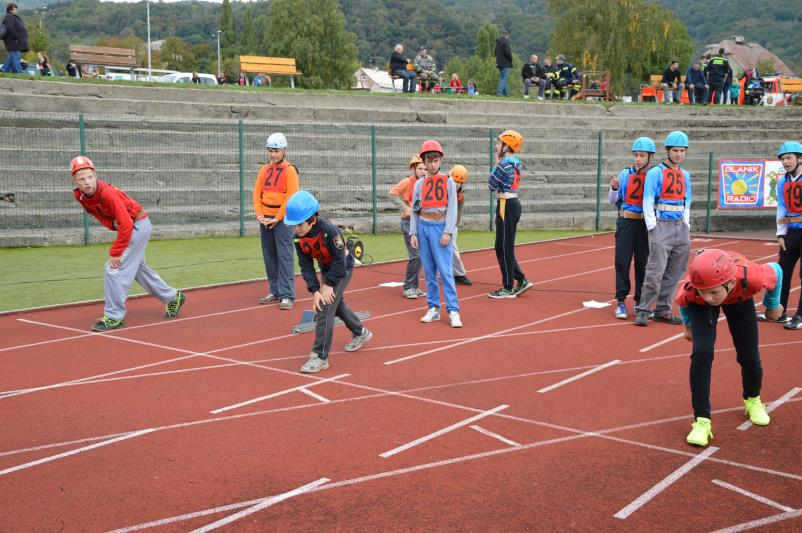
(315, 247)
(673, 185)
(634, 192)
(792, 194)
(275, 178)
(434, 192)
(516, 179)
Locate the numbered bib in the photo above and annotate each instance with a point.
(634, 195)
(792, 194)
(315, 247)
(275, 180)
(673, 185)
(434, 192)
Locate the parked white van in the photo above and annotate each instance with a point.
(186, 77)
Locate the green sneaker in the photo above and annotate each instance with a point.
(522, 286)
(503, 293)
(105, 323)
(701, 432)
(174, 306)
(757, 411)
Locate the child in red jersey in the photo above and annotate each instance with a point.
(119, 212)
(719, 280)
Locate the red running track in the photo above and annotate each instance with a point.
(539, 414)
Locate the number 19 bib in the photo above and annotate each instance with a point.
(792, 194)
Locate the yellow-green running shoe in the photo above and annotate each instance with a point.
(174, 306)
(757, 411)
(701, 432)
(105, 323)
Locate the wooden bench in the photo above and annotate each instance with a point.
(393, 77)
(595, 84)
(104, 56)
(277, 66)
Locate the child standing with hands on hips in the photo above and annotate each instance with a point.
(318, 239)
(434, 218)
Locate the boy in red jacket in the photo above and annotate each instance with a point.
(119, 212)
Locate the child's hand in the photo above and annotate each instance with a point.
(774, 314)
(270, 222)
(614, 184)
(324, 296)
(445, 238)
(781, 242)
(688, 334)
(413, 241)
(116, 261)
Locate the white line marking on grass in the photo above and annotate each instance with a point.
(754, 496)
(276, 394)
(443, 431)
(76, 451)
(314, 395)
(496, 436)
(263, 505)
(664, 484)
(580, 376)
(761, 522)
(773, 405)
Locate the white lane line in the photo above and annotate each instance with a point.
(647, 496)
(496, 436)
(32, 344)
(580, 376)
(314, 395)
(754, 496)
(483, 337)
(773, 405)
(276, 394)
(263, 505)
(662, 342)
(761, 522)
(443, 431)
(76, 451)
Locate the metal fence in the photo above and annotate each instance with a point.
(196, 177)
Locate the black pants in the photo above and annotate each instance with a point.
(716, 90)
(787, 262)
(508, 213)
(324, 319)
(631, 239)
(742, 322)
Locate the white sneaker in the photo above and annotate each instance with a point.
(411, 293)
(455, 320)
(526, 97)
(431, 315)
(315, 364)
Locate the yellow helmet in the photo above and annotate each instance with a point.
(414, 162)
(513, 139)
(459, 173)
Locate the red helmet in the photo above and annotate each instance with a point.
(711, 268)
(79, 163)
(431, 146)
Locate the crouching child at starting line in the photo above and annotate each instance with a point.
(317, 238)
(121, 213)
(722, 280)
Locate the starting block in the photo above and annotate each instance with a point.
(307, 323)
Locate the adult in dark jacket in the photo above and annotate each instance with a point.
(398, 65)
(671, 83)
(503, 63)
(15, 39)
(534, 74)
(718, 70)
(696, 82)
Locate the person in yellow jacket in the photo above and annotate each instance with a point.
(276, 182)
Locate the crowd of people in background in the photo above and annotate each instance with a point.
(708, 80)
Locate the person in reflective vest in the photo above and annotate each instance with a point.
(667, 213)
(725, 281)
(401, 196)
(631, 237)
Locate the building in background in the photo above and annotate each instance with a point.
(373, 79)
(741, 54)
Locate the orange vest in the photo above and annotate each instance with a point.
(434, 192)
(275, 183)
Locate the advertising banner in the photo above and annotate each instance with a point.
(748, 184)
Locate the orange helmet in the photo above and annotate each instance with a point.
(513, 139)
(711, 268)
(79, 163)
(459, 173)
(431, 146)
(414, 162)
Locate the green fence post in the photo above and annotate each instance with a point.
(373, 171)
(598, 181)
(82, 141)
(241, 178)
(709, 190)
(492, 158)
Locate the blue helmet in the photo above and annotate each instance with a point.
(676, 138)
(300, 207)
(789, 147)
(644, 144)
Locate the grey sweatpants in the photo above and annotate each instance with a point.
(669, 246)
(457, 268)
(117, 281)
(413, 262)
(278, 252)
(324, 319)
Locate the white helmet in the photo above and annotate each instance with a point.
(276, 140)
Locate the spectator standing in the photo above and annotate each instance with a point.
(718, 70)
(534, 74)
(195, 77)
(503, 63)
(750, 74)
(696, 82)
(15, 39)
(72, 70)
(398, 65)
(426, 69)
(671, 84)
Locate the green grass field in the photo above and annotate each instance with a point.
(33, 277)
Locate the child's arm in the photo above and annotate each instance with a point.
(307, 269)
(338, 268)
(686, 214)
(771, 300)
(782, 212)
(499, 175)
(114, 201)
(452, 208)
(650, 190)
(616, 190)
(413, 219)
(397, 195)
